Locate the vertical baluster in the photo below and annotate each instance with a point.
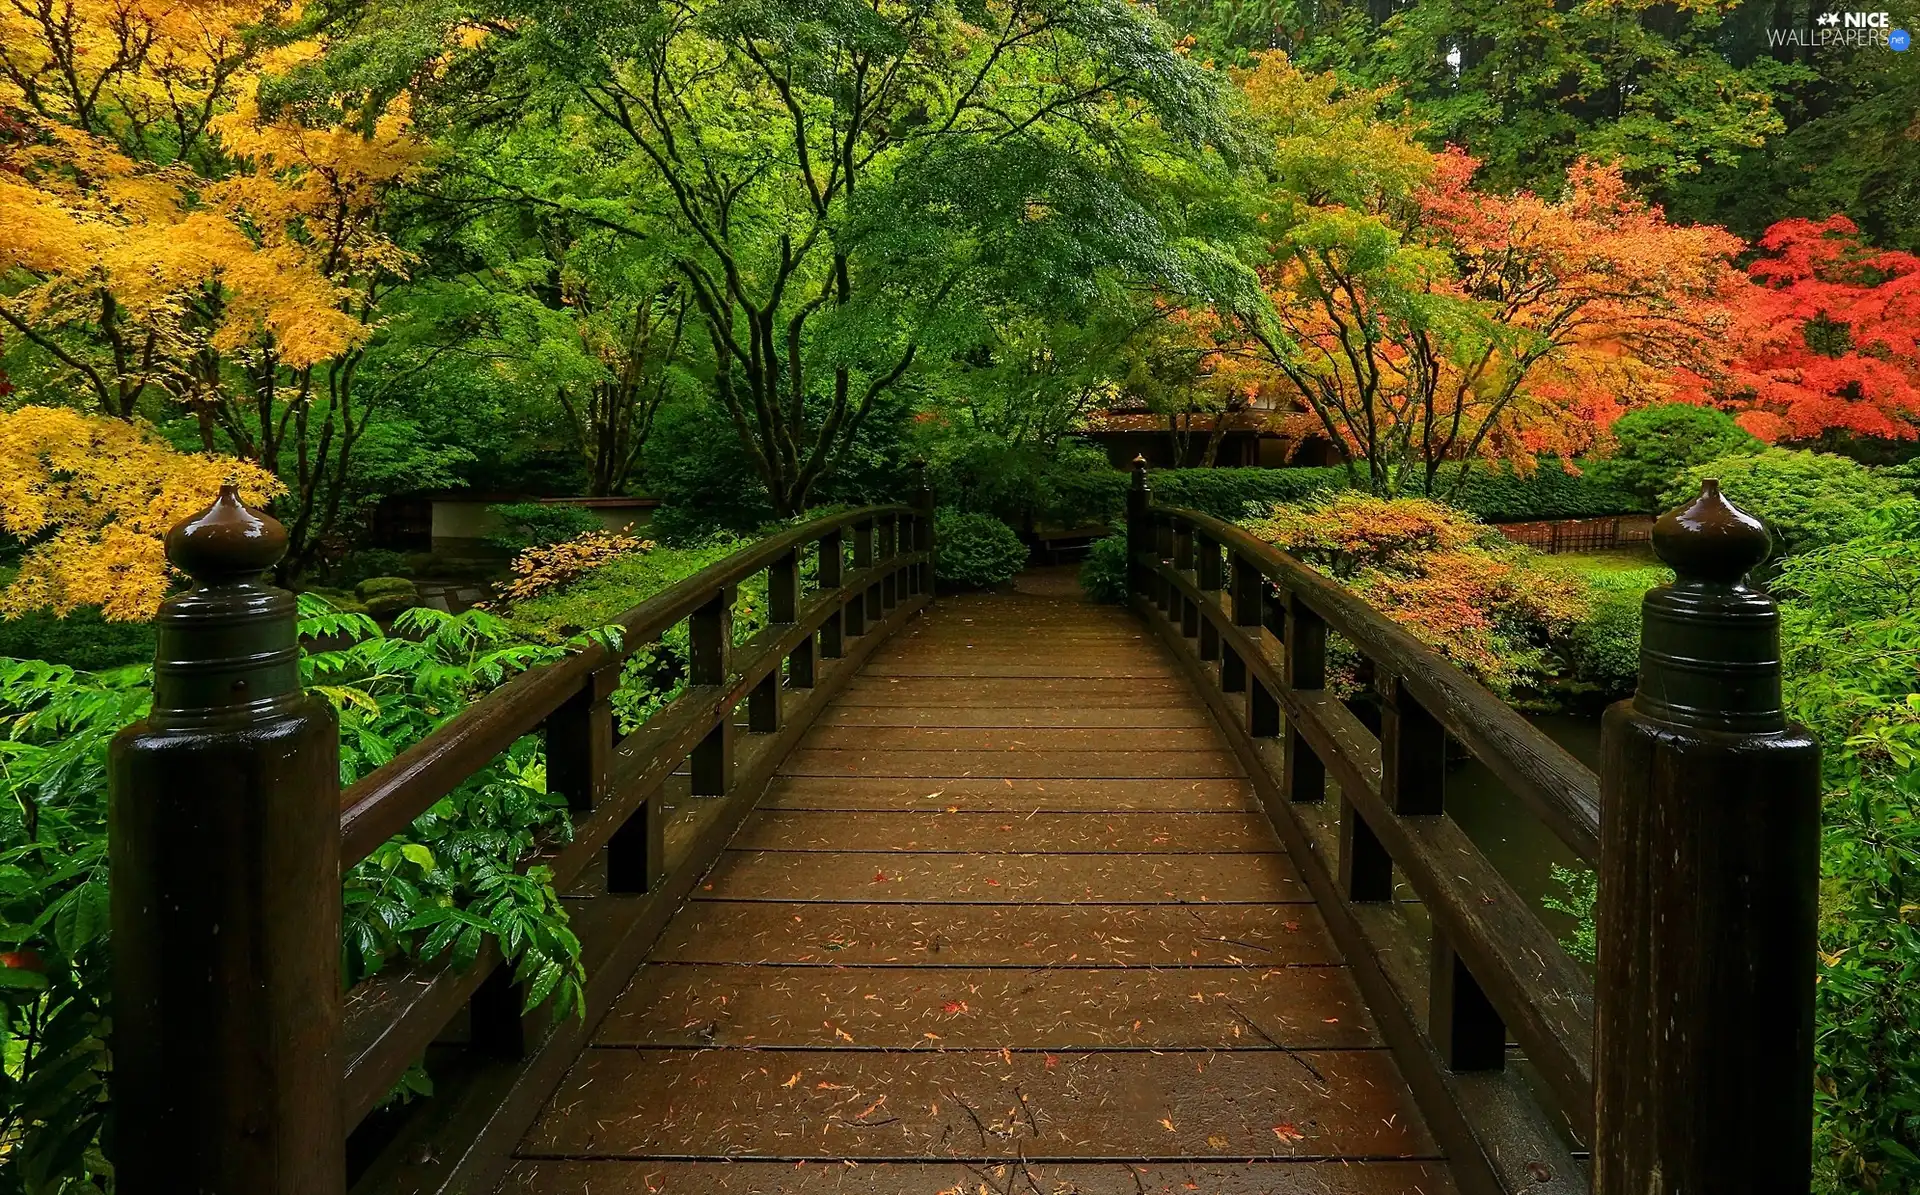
(224, 841)
(496, 1027)
(1302, 776)
(1246, 582)
(828, 570)
(783, 610)
(710, 638)
(882, 555)
(1413, 753)
(1207, 575)
(1163, 551)
(862, 607)
(1366, 870)
(1140, 577)
(924, 509)
(1183, 546)
(1463, 1023)
(579, 739)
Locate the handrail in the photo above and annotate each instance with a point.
(616, 786)
(384, 802)
(1250, 624)
(1563, 792)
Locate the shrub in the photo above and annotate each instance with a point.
(542, 570)
(360, 564)
(1454, 583)
(1602, 649)
(1498, 494)
(1654, 445)
(82, 640)
(1103, 575)
(537, 524)
(1807, 499)
(596, 597)
(387, 596)
(975, 549)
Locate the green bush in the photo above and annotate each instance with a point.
(1654, 445)
(600, 596)
(975, 549)
(537, 524)
(1850, 631)
(1103, 575)
(1494, 493)
(81, 640)
(1808, 500)
(1602, 650)
(384, 597)
(358, 565)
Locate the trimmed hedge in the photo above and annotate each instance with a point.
(1491, 492)
(974, 549)
(81, 640)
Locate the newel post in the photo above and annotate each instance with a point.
(224, 839)
(1709, 883)
(1139, 530)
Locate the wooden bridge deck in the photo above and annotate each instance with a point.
(1006, 922)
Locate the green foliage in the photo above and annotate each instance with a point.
(1654, 445)
(1602, 649)
(442, 887)
(1103, 575)
(601, 596)
(1807, 500)
(363, 563)
(1850, 632)
(975, 549)
(538, 524)
(1579, 894)
(81, 640)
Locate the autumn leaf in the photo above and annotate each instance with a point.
(1288, 1134)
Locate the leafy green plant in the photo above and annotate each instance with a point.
(1850, 634)
(1103, 575)
(1602, 648)
(442, 888)
(82, 639)
(536, 524)
(1578, 896)
(975, 549)
(1655, 445)
(1807, 499)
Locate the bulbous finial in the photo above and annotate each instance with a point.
(1139, 469)
(227, 541)
(1711, 539)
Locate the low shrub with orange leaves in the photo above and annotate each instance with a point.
(544, 569)
(1456, 584)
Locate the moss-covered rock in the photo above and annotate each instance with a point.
(386, 596)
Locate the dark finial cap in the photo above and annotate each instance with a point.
(227, 541)
(1711, 539)
(1139, 469)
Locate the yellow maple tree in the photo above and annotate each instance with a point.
(92, 497)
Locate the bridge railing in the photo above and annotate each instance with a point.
(1708, 991)
(229, 977)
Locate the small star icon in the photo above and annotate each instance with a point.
(1829, 18)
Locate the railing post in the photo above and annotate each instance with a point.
(580, 741)
(783, 609)
(1207, 576)
(1303, 777)
(923, 530)
(889, 547)
(828, 572)
(1413, 753)
(859, 609)
(1247, 583)
(224, 840)
(1140, 575)
(710, 641)
(1709, 882)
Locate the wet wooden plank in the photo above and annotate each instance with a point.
(1154, 718)
(904, 1008)
(1038, 1105)
(1032, 692)
(1116, 673)
(998, 795)
(1074, 879)
(1024, 936)
(818, 761)
(1011, 738)
(748, 1177)
(984, 833)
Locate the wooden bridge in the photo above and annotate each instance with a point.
(999, 893)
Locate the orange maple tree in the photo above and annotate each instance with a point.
(1828, 338)
(1426, 321)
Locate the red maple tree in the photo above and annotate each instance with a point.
(1826, 339)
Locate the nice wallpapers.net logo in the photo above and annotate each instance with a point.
(1844, 30)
